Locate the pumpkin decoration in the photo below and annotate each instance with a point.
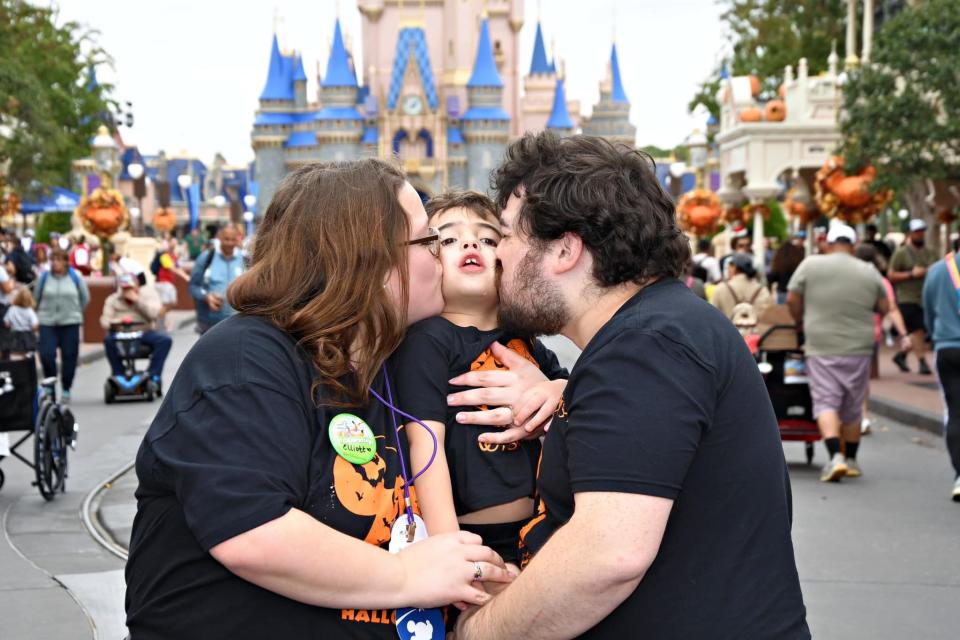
(848, 197)
(103, 213)
(804, 212)
(699, 211)
(734, 215)
(751, 210)
(751, 114)
(164, 219)
(782, 91)
(775, 111)
(754, 86)
(946, 216)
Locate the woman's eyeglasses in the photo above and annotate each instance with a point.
(432, 240)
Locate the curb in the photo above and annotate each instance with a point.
(90, 515)
(911, 416)
(98, 354)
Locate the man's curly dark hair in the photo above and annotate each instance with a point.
(608, 194)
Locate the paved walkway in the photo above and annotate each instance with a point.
(910, 398)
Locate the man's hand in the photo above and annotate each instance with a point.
(918, 272)
(214, 301)
(131, 295)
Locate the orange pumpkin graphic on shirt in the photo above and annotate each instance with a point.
(362, 490)
(486, 361)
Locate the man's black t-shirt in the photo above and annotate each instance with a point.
(436, 350)
(666, 401)
(237, 443)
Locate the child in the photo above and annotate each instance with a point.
(479, 487)
(22, 323)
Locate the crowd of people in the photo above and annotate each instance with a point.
(851, 295)
(44, 294)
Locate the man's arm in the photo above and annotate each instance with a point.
(196, 280)
(148, 304)
(586, 569)
(106, 316)
(795, 305)
(897, 273)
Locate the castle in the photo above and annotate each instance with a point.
(441, 92)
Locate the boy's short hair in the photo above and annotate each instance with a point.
(474, 201)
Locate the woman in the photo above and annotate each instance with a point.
(785, 261)
(272, 480)
(61, 296)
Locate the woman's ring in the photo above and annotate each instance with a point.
(477, 571)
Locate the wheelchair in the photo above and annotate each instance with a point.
(27, 406)
(133, 383)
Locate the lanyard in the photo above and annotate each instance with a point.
(954, 272)
(407, 480)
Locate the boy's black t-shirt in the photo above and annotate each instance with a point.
(667, 401)
(436, 350)
(238, 442)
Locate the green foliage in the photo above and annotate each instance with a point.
(776, 225)
(680, 152)
(59, 222)
(902, 112)
(45, 106)
(765, 36)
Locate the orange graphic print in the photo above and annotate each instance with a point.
(487, 362)
(362, 490)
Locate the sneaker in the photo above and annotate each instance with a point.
(901, 361)
(834, 470)
(956, 491)
(865, 428)
(924, 369)
(853, 469)
(65, 397)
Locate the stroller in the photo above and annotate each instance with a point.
(781, 362)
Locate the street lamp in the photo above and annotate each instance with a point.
(248, 218)
(105, 153)
(136, 172)
(219, 201)
(250, 201)
(697, 144)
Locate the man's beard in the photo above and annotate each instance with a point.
(535, 305)
(918, 243)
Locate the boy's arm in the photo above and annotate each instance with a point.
(434, 491)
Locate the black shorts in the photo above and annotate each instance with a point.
(502, 538)
(912, 317)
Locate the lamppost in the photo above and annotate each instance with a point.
(697, 145)
(185, 181)
(249, 201)
(135, 169)
(219, 202)
(106, 154)
(677, 169)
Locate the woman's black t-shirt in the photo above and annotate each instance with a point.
(237, 443)
(436, 350)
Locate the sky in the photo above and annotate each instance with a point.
(194, 69)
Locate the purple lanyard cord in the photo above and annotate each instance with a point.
(407, 480)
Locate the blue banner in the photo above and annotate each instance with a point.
(193, 204)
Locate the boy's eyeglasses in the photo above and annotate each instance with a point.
(432, 240)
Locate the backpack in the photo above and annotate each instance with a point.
(744, 315)
(210, 253)
(155, 263)
(43, 281)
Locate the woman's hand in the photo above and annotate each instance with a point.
(442, 569)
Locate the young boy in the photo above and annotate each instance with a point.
(479, 487)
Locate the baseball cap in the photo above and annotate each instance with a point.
(125, 280)
(744, 263)
(841, 232)
(917, 224)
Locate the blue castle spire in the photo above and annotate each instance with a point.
(559, 116)
(539, 63)
(339, 73)
(618, 93)
(298, 73)
(485, 72)
(278, 86)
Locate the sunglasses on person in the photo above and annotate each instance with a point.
(432, 240)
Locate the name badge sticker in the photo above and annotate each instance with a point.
(399, 533)
(352, 438)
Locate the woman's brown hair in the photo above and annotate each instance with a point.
(329, 238)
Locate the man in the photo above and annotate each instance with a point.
(80, 257)
(195, 244)
(941, 309)
(835, 297)
(139, 306)
(705, 260)
(740, 242)
(908, 268)
(22, 260)
(212, 273)
(663, 494)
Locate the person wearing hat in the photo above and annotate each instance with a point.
(908, 269)
(740, 289)
(834, 297)
(139, 306)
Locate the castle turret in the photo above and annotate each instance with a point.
(611, 116)
(339, 123)
(299, 83)
(273, 124)
(486, 125)
(539, 87)
(560, 121)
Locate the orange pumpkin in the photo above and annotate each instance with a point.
(754, 86)
(164, 220)
(775, 111)
(750, 114)
(105, 221)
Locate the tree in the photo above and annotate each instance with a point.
(48, 109)
(902, 111)
(765, 36)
